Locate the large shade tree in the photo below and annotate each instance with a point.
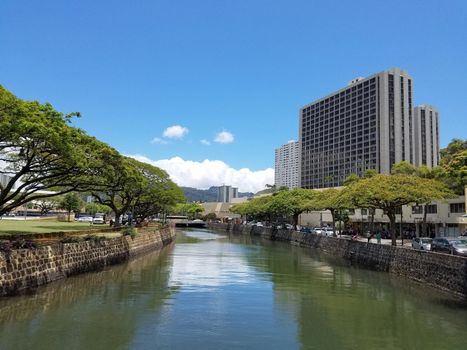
(391, 192)
(41, 155)
(335, 200)
(159, 196)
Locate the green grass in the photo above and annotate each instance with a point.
(15, 227)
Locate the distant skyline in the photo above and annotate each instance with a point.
(209, 89)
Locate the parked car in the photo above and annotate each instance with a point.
(421, 243)
(317, 230)
(454, 246)
(459, 246)
(84, 219)
(305, 230)
(259, 224)
(327, 231)
(98, 220)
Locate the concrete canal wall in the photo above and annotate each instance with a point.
(440, 271)
(28, 268)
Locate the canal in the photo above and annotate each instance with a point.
(213, 291)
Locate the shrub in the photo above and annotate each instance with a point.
(95, 238)
(6, 246)
(129, 231)
(71, 239)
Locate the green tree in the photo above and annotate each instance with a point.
(351, 179)
(42, 156)
(291, 204)
(126, 185)
(391, 192)
(210, 217)
(257, 208)
(71, 202)
(94, 208)
(454, 165)
(422, 171)
(189, 209)
(46, 205)
(335, 200)
(160, 194)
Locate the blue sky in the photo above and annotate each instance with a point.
(135, 68)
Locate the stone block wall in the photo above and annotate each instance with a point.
(28, 268)
(442, 271)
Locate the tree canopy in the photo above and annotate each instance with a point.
(41, 155)
(391, 192)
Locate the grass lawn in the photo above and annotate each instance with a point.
(14, 227)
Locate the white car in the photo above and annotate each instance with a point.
(317, 230)
(327, 231)
(421, 243)
(98, 220)
(85, 219)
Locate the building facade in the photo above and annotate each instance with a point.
(287, 165)
(443, 219)
(426, 136)
(366, 125)
(225, 194)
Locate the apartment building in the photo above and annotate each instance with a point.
(287, 164)
(426, 136)
(365, 125)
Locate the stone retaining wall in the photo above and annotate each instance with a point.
(442, 271)
(28, 268)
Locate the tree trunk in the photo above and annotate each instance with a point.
(69, 215)
(333, 215)
(117, 220)
(295, 220)
(372, 222)
(424, 221)
(392, 227)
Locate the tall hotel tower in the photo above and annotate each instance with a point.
(426, 130)
(366, 125)
(287, 165)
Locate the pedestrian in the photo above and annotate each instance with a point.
(370, 237)
(378, 237)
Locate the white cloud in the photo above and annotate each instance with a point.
(158, 140)
(211, 173)
(205, 142)
(224, 137)
(175, 132)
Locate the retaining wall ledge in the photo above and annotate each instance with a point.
(23, 269)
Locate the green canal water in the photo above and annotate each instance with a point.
(212, 291)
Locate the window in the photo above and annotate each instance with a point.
(417, 209)
(364, 211)
(457, 207)
(431, 209)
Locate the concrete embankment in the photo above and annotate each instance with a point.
(442, 271)
(23, 269)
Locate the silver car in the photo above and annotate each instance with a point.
(421, 243)
(459, 247)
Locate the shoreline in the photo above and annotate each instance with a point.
(24, 269)
(440, 271)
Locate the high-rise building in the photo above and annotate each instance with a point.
(366, 125)
(287, 165)
(426, 136)
(226, 193)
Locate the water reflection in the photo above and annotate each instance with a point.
(338, 307)
(99, 310)
(212, 291)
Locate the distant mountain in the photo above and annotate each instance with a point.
(209, 195)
